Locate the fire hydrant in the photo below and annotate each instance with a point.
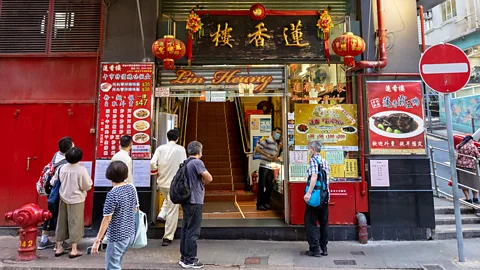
(362, 225)
(255, 183)
(27, 218)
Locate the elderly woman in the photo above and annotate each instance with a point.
(467, 168)
(74, 184)
(317, 238)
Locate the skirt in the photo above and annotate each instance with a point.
(470, 180)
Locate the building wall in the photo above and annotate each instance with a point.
(438, 30)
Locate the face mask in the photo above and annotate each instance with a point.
(276, 136)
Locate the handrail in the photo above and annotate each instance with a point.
(184, 121)
(243, 130)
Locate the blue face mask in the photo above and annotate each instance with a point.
(276, 136)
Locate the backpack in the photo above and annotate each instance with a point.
(43, 183)
(320, 194)
(180, 188)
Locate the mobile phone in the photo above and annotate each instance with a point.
(89, 250)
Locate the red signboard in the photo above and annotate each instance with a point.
(125, 108)
(445, 68)
(395, 116)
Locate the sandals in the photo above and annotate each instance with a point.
(61, 253)
(75, 256)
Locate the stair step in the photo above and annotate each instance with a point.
(226, 196)
(224, 186)
(225, 171)
(450, 219)
(449, 210)
(222, 164)
(444, 232)
(228, 179)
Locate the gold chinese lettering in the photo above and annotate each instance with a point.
(259, 36)
(296, 35)
(222, 37)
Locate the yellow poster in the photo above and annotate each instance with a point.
(336, 126)
(351, 168)
(337, 170)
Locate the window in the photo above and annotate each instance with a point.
(27, 27)
(449, 10)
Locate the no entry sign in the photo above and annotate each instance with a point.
(445, 68)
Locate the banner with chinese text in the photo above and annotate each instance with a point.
(125, 108)
(336, 126)
(395, 117)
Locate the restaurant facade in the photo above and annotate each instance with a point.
(226, 75)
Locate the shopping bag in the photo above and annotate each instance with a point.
(141, 228)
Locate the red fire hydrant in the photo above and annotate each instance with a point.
(362, 225)
(27, 218)
(255, 183)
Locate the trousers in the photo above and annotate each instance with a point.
(191, 225)
(170, 213)
(115, 251)
(317, 237)
(265, 186)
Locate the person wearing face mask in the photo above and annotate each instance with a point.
(268, 149)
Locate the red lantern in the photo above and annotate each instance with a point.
(168, 49)
(348, 46)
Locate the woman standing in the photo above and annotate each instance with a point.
(316, 241)
(464, 164)
(118, 216)
(74, 184)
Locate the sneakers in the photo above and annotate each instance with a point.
(261, 208)
(194, 265)
(268, 206)
(313, 254)
(475, 200)
(45, 245)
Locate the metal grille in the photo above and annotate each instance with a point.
(76, 26)
(23, 26)
(181, 8)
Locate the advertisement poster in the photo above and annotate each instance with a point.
(256, 141)
(125, 108)
(395, 117)
(141, 173)
(334, 125)
(100, 180)
(265, 125)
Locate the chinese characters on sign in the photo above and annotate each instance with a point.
(379, 173)
(222, 37)
(395, 114)
(125, 108)
(296, 35)
(259, 36)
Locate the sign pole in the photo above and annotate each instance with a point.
(453, 171)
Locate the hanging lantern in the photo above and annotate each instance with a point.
(168, 49)
(348, 46)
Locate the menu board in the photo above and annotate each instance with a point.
(334, 125)
(125, 108)
(395, 117)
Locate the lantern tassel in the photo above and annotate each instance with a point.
(327, 47)
(189, 49)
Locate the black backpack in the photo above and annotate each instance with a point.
(180, 188)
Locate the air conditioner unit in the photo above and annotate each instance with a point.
(428, 16)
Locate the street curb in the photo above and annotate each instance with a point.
(13, 265)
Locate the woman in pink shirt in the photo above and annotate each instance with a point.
(467, 167)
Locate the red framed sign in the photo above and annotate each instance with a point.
(125, 108)
(395, 117)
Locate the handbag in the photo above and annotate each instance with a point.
(141, 228)
(319, 195)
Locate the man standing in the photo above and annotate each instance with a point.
(50, 225)
(198, 177)
(268, 150)
(123, 155)
(165, 164)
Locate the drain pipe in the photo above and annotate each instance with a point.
(422, 26)
(362, 226)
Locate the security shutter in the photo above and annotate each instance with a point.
(73, 26)
(181, 8)
(23, 26)
(76, 26)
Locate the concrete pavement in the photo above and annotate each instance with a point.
(265, 255)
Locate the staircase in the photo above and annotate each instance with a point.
(215, 125)
(445, 221)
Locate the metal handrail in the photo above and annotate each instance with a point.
(436, 177)
(241, 123)
(184, 121)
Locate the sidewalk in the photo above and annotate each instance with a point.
(266, 255)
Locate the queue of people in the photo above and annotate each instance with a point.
(71, 183)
